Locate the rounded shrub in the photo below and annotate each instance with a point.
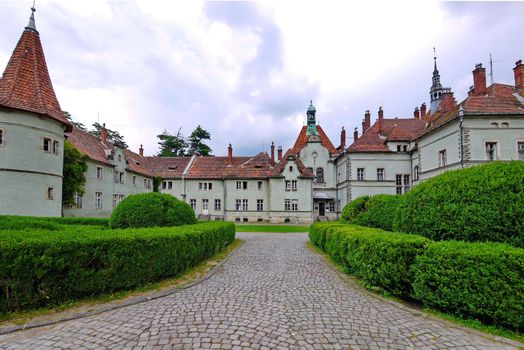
(481, 203)
(152, 209)
(353, 209)
(380, 211)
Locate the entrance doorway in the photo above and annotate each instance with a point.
(205, 206)
(321, 209)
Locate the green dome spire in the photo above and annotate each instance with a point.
(311, 108)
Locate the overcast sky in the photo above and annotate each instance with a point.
(245, 71)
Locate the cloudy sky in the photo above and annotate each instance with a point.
(245, 71)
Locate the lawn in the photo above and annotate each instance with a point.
(271, 228)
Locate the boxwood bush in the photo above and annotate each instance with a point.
(27, 223)
(152, 209)
(380, 211)
(474, 280)
(43, 268)
(481, 203)
(353, 209)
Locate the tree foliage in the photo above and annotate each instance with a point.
(172, 145)
(77, 125)
(75, 166)
(112, 135)
(196, 143)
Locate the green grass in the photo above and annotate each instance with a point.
(271, 228)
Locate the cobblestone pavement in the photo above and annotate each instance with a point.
(274, 293)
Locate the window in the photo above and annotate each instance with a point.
(287, 204)
(145, 183)
(398, 148)
(210, 186)
(320, 175)
(494, 125)
(294, 185)
(78, 201)
(244, 204)
(259, 185)
(491, 150)
(288, 185)
(50, 193)
(239, 185)
(380, 174)
(416, 172)
(47, 144)
(2, 136)
(398, 184)
(170, 185)
(206, 186)
(192, 203)
(98, 200)
(55, 147)
(294, 204)
(119, 158)
(134, 180)
(238, 204)
(260, 204)
(442, 158)
(331, 206)
(205, 204)
(520, 150)
(310, 171)
(121, 178)
(218, 204)
(244, 185)
(360, 174)
(121, 197)
(402, 183)
(404, 148)
(291, 168)
(504, 125)
(164, 185)
(115, 200)
(99, 172)
(407, 183)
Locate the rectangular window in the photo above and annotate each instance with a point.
(50, 193)
(134, 180)
(405, 148)
(164, 185)
(192, 202)
(259, 185)
(244, 185)
(98, 200)
(218, 204)
(288, 185)
(1, 136)
(120, 198)
(238, 204)
(205, 204)
(55, 147)
(402, 183)
(294, 185)
(380, 174)
(115, 200)
(398, 148)
(360, 174)
(145, 183)
(287, 204)
(47, 144)
(244, 205)
(170, 185)
(239, 185)
(442, 158)
(331, 206)
(520, 150)
(416, 173)
(78, 201)
(99, 173)
(260, 204)
(291, 168)
(294, 205)
(121, 178)
(398, 184)
(210, 186)
(200, 186)
(491, 150)
(407, 183)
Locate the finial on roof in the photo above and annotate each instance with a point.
(435, 58)
(31, 25)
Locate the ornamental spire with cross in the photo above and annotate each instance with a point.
(31, 25)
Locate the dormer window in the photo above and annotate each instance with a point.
(119, 158)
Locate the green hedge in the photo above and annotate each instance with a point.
(481, 203)
(80, 221)
(150, 210)
(46, 223)
(474, 280)
(43, 268)
(380, 211)
(353, 209)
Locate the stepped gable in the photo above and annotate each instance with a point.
(501, 99)
(324, 139)
(26, 84)
(167, 167)
(290, 153)
(374, 140)
(89, 145)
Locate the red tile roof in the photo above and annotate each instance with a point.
(396, 129)
(302, 140)
(290, 153)
(25, 84)
(168, 167)
(138, 164)
(215, 167)
(89, 145)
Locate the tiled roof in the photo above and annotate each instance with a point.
(168, 167)
(215, 167)
(500, 100)
(260, 166)
(25, 84)
(290, 153)
(89, 145)
(138, 164)
(393, 130)
(302, 140)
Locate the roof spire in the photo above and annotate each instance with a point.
(31, 25)
(435, 70)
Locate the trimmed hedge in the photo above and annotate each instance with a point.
(27, 223)
(152, 209)
(353, 209)
(42, 268)
(380, 211)
(481, 203)
(80, 221)
(479, 280)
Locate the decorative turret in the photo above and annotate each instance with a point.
(436, 87)
(311, 120)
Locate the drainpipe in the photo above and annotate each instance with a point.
(461, 137)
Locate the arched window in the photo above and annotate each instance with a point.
(310, 171)
(320, 175)
(494, 125)
(504, 125)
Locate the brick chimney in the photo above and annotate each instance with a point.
(103, 133)
(141, 150)
(518, 71)
(279, 153)
(367, 120)
(355, 135)
(447, 102)
(343, 138)
(423, 111)
(230, 153)
(416, 113)
(380, 119)
(272, 151)
(479, 80)
(363, 127)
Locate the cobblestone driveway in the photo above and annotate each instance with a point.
(274, 293)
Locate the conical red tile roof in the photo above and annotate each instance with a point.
(25, 84)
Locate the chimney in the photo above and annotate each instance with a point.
(423, 111)
(380, 119)
(363, 127)
(103, 133)
(272, 151)
(518, 71)
(141, 151)
(479, 80)
(230, 153)
(447, 102)
(416, 113)
(367, 120)
(343, 139)
(355, 135)
(279, 153)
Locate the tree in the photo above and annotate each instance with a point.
(172, 145)
(75, 166)
(196, 144)
(75, 124)
(112, 135)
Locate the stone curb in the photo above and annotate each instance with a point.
(110, 307)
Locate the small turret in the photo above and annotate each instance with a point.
(311, 120)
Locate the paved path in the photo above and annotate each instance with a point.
(274, 293)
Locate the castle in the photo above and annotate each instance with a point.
(311, 181)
